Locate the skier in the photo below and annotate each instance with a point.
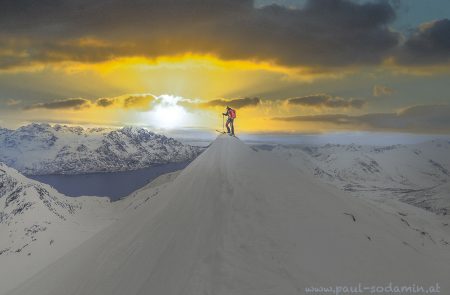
(230, 121)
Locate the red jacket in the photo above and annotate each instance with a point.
(230, 113)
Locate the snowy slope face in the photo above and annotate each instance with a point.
(241, 222)
(43, 149)
(21, 200)
(38, 225)
(416, 174)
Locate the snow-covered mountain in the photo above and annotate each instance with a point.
(44, 149)
(38, 224)
(237, 221)
(417, 174)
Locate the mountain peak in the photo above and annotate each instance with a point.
(35, 127)
(237, 221)
(134, 129)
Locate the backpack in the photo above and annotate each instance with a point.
(232, 114)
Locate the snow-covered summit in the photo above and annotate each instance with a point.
(238, 221)
(59, 149)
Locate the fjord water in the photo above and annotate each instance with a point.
(114, 185)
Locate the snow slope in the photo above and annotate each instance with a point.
(38, 225)
(237, 221)
(417, 174)
(44, 149)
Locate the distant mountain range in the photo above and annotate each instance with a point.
(38, 149)
(417, 174)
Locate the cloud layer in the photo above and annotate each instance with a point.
(420, 118)
(69, 103)
(324, 33)
(135, 101)
(327, 101)
(427, 118)
(234, 103)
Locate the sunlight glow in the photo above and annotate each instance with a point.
(166, 113)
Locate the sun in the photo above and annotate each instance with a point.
(167, 113)
(169, 117)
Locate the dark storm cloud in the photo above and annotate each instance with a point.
(430, 44)
(325, 33)
(328, 101)
(234, 103)
(69, 103)
(421, 118)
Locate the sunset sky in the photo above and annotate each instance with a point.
(285, 65)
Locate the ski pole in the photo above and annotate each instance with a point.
(223, 124)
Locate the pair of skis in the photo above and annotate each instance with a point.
(223, 132)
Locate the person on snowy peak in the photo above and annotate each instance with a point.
(231, 114)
